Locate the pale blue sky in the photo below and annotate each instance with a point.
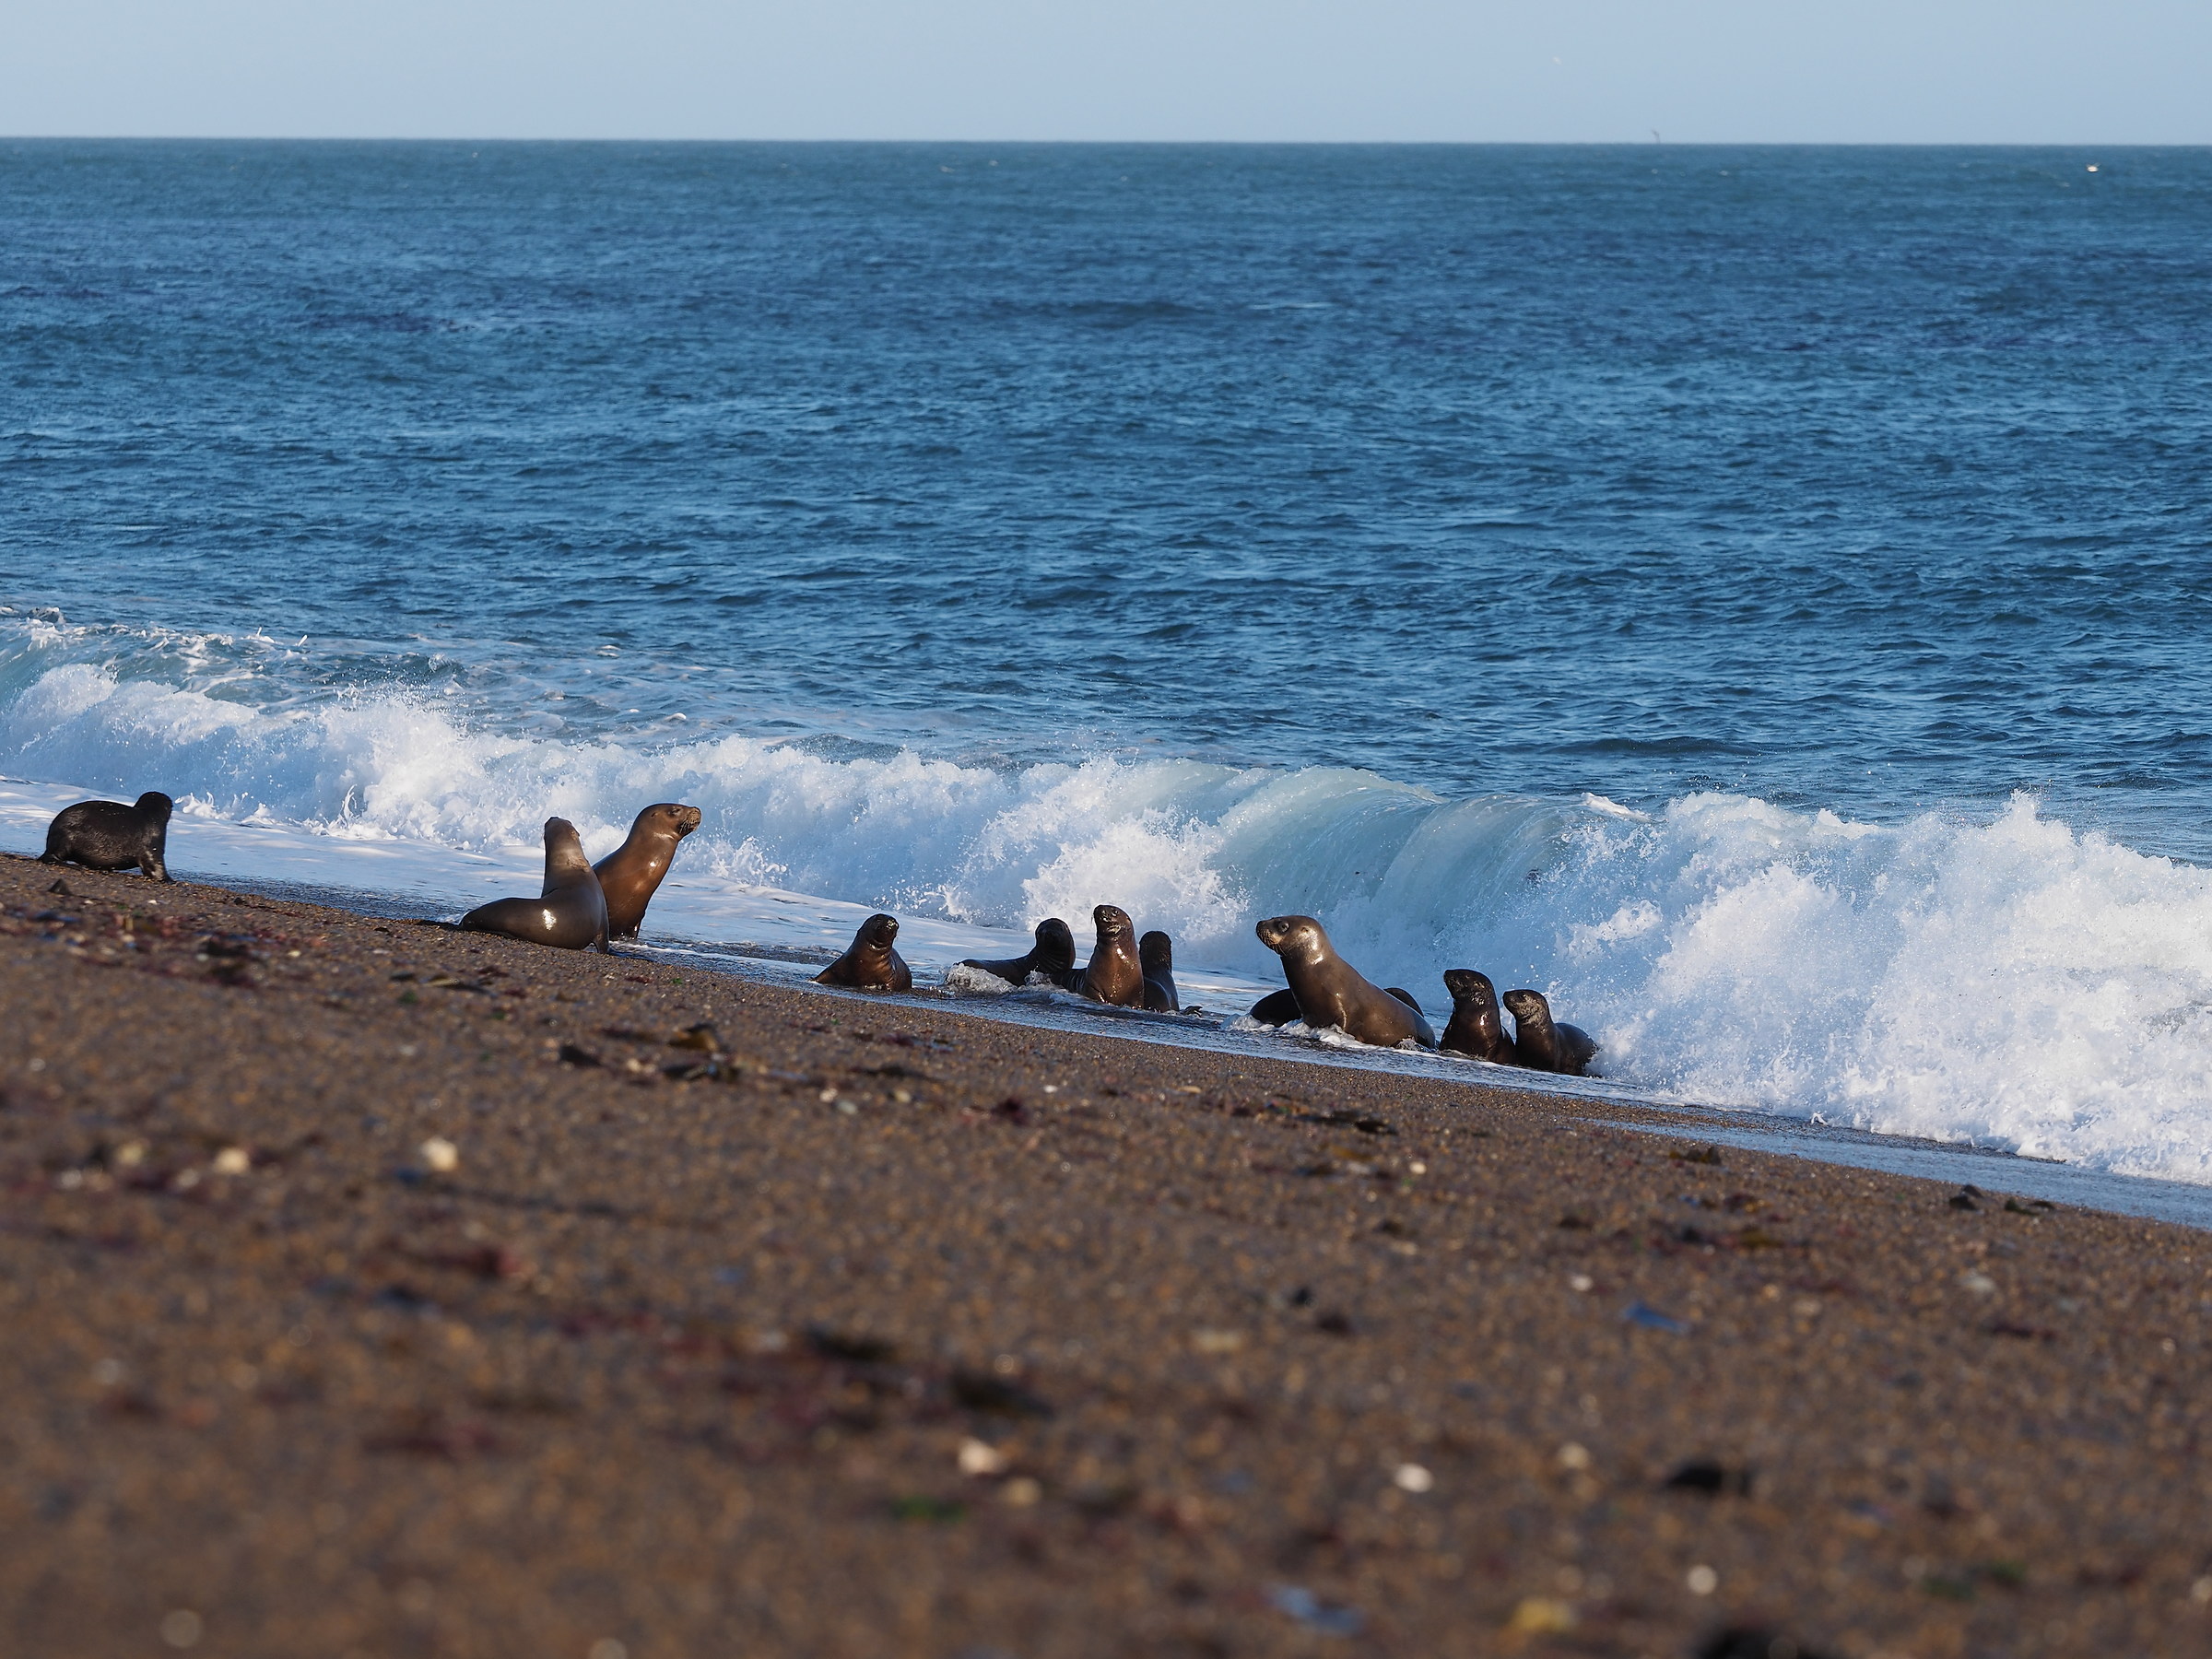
(2027, 71)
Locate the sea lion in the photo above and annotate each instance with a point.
(568, 913)
(1544, 1045)
(107, 835)
(630, 874)
(870, 963)
(1330, 991)
(1114, 974)
(1404, 996)
(1276, 1008)
(1054, 956)
(1475, 1028)
(1155, 957)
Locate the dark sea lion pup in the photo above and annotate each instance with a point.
(107, 835)
(870, 964)
(1156, 956)
(1052, 956)
(1544, 1045)
(630, 874)
(1276, 1008)
(1476, 1027)
(1114, 975)
(1330, 991)
(568, 914)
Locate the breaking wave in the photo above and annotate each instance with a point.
(2006, 979)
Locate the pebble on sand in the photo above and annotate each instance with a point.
(1540, 1616)
(181, 1628)
(439, 1156)
(981, 1459)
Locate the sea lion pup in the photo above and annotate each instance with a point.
(1155, 957)
(630, 874)
(107, 835)
(568, 913)
(1114, 974)
(1276, 1008)
(1054, 956)
(870, 963)
(1330, 991)
(1547, 1045)
(1476, 1027)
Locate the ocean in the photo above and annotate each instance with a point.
(1757, 597)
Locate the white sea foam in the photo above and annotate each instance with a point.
(2008, 980)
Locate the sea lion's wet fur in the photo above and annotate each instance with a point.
(569, 912)
(1476, 1027)
(1114, 974)
(869, 962)
(1544, 1043)
(107, 835)
(1155, 957)
(1276, 1008)
(632, 874)
(1054, 956)
(1330, 991)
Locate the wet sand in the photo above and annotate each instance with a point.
(377, 1290)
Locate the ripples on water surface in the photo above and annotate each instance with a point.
(986, 530)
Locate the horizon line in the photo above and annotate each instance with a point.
(1652, 143)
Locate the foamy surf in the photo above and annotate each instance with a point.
(2007, 980)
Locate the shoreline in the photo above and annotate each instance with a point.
(2149, 1198)
(855, 1325)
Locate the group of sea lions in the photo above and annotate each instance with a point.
(1125, 975)
(1327, 991)
(580, 903)
(584, 904)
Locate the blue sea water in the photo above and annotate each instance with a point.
(1757, 594)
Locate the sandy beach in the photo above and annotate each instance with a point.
(376, 1290)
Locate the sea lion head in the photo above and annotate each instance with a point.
(1156, 950)
(1057, 942)
(1112, 922)
(564, 847)
(1293, 936)
(877, 932)
(154, 804)
(1468, 986)
(672, 818)
(1527, 1004)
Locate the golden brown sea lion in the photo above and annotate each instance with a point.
(1544, 1045)
(1475, 1028)
(1114, 974)
(870, 963)
(107, 835)
(1054, 956)
(568, 913)
(1330, 991)
(630, 874)
(1156, 956)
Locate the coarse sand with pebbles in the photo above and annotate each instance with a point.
(376, 1290)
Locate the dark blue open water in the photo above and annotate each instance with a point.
(1215, 530)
